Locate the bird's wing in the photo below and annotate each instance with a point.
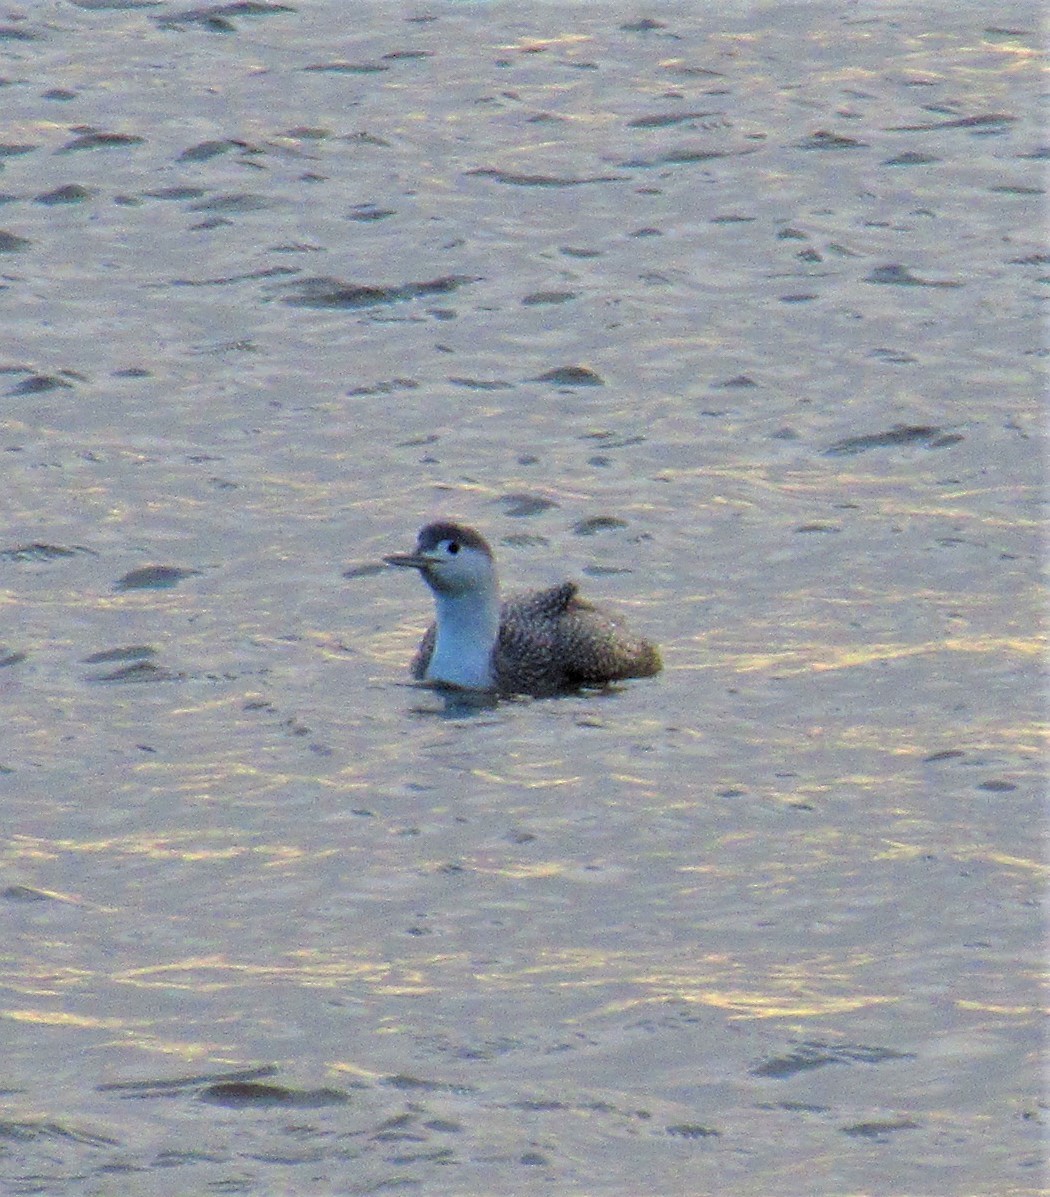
(553, 640)
(596, 647)
(423, 654)
(527, 651)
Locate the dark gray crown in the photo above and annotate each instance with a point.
(433, 534)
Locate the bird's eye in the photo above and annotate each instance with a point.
(453, 547)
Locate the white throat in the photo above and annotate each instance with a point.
(467, 630)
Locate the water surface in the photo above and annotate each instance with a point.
(733, 315)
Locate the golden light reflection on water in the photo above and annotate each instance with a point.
(820, 656)
(308, 969)
(741, 1004)
(899, 851)
(541, 783)
(62, 1018)
(186, 846)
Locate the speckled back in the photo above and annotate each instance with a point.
(553, 640)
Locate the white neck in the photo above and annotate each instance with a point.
(467, 629)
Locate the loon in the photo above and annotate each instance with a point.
(540, 643)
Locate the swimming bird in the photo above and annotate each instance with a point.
(539, 643)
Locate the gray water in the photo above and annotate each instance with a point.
(733, 315)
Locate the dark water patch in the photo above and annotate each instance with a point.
(878, 1131)
(1036, 259)
(798, 297)
(801, 1107)
(682, 70)
(388, 387)
(893, 357)
(133, 652)
(24, 893)
(734, 218)
(824, 140)
(808, 1056)
(348, 68)
(949, 754)
(571, 376)
(1017, 189)
(912, 158)
(414, 1084)
(443, 1126)
(662, 120)
(996, 122)
(15, 33)
(364, 138)
(644, 25)
(113, 5)
(227, 280)
(521, 506)
(38, 384)
(613, 440)
(39, 553)
(60, 94)
(174, 1085)
(334, 293)
(997, 785)
(737, 382)
(236, 201)
(11, 658)
(818, 527)
(398, 1129)
(692, 1130)
(219, 18)
(11, 243)
(534, 1159)
(488, 1049)
(369, 212)
(242, 1094)
(32, 1129)
(926, 435)
(519, 180)
(677, 158)
(596, 524)
(307, 133)
(9, 149)
(138, 673)
(481, 384)
(205, 150)
(571, 251)
(154, 577)
(538, 298)
(605, 571)
(648, 231)
(71, 193)
(95, 139)
(409, 55)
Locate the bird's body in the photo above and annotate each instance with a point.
(540, 643)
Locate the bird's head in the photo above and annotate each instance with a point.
(453, 559)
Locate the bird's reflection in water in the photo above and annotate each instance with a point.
(453, 702)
